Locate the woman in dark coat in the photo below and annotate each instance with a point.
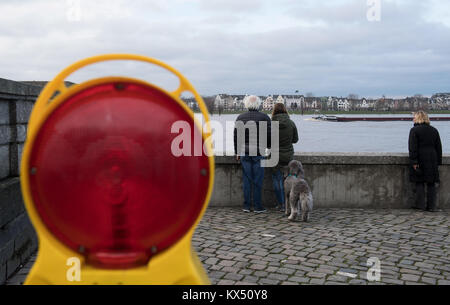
(425, 155)
(287, 136)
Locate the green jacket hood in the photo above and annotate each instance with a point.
(283, 120)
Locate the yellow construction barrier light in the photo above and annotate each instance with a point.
(110, 199)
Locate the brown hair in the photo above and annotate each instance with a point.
(278, 108)
(421, 117)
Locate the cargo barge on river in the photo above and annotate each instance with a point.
(333, 118)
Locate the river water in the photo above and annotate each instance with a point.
(360, 136)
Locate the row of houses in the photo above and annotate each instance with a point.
(226, 102)
(236, 102)
(436, 102)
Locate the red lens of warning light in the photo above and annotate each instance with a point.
(104, 179)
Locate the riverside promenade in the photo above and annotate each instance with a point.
(413, 247)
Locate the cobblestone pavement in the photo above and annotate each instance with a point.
(413, 247)
(240, 248)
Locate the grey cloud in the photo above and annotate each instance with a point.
(233, 6)
(402, 54)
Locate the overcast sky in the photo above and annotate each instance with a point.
(238, 46)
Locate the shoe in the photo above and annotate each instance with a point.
(260, 211)
(433, 210)
(246, 210)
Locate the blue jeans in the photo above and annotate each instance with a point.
(253, 176)
(278, 186)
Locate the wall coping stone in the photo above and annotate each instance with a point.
(17, 88)
(344, 158)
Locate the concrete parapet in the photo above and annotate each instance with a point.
(351, 180)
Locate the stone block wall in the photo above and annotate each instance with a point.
(17, 237)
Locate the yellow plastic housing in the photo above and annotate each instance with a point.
(178, 264)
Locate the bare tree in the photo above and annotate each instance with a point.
(353, 96)
(380, 104)
(209, 101)
(309, 94)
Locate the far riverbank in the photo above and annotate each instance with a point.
(336, 112)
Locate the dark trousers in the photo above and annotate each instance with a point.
(420, 196)
(253, 176)
(278, 185)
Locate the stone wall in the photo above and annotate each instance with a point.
(337, 180)
(17, 237)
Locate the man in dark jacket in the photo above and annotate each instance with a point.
(425, 155)
(251, 138)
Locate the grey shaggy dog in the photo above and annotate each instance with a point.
(297, 192)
